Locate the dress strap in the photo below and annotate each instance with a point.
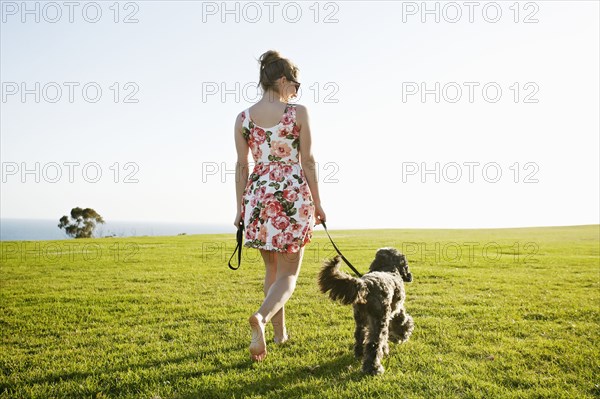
(246, 122)
(293, 108)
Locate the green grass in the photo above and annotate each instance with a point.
(514, 314)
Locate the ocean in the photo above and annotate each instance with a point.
(47, 229)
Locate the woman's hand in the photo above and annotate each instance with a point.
(319, 215)
(238, 220)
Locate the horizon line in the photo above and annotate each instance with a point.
(219, 224)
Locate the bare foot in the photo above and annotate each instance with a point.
(279, 332)
(258, 345)
(281, 340)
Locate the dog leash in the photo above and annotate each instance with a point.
(339, 252)
(238, 247)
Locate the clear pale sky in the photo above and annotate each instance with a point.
(516, 98)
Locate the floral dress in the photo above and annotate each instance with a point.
(277, 206)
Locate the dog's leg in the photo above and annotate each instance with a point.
(401, 327)
(360, 319)
(396, 326)
(378, 335)
(385, 348)
(407, 328)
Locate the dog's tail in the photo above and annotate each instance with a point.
(341, 286)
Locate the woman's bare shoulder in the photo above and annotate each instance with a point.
(301, 108)
(301, 111)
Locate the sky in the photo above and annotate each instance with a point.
(423, 115)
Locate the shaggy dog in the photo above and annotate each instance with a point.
(378, 300)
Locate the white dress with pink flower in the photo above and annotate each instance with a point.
(277, 206)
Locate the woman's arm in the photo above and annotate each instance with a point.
(308, 161)
(241, 167)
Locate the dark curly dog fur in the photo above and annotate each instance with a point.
(378, 300)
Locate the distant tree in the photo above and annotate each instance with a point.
(82, 223)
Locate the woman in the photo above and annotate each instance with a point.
(279, 201)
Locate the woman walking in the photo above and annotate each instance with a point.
(279, 201)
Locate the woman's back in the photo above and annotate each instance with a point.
(267, 114)
(279, 142)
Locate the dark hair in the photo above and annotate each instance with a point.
(272, 67)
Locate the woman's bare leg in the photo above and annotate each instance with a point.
(288, 268)
(278, 321)
(258, 344)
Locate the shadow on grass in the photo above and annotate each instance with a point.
(293, 381)
(217, 378)
(117, 386)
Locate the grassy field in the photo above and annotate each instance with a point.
(499, 313)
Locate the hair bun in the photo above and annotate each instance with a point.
(272, 67)
(269, 57)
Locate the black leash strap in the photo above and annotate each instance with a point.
(238, 247)
(339, 252)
